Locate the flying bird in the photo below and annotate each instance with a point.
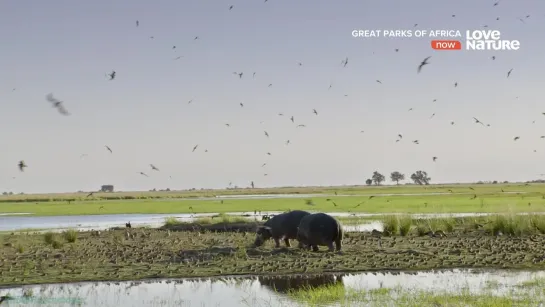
(432, 115)
(424, 62)
(292, 119)
(195, 148)
(22, 165)
(345, 62)
(516, 138)
(378, 81)
(456, 84)
(266, 134)
(143, 174)
(400, 136)
(478, 121)
(57, 104)
(302, 126)
(314, 111)
(90, 194)
(509, 72)
(109, 149)
(137, 23)
(241, 105)
(434, 159)
(153, 167)
(416, 142)
(231, 7)
(112, 75)
(177, 58)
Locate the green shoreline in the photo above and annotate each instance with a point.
(141, 253)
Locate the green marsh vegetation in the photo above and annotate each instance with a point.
(459, 199)
(137, 253)
(337, 294)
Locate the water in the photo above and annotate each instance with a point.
(98, 222)
(263, 291)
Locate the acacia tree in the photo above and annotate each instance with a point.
(378, 178)
(368, 181)
(420, 177)
(397, 177)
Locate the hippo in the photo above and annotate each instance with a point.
(281, 226)
(319, 229)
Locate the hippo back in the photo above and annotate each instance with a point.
(320, 227)
(286, 224)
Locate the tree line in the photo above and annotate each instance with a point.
(418, 177)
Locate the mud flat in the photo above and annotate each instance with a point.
(142, 253)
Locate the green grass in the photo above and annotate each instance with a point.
(331, 294)
(138, 253)
(489, 199)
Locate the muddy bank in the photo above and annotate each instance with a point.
(140, 253)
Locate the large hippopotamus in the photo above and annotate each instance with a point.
(282, 226)
(319, 229)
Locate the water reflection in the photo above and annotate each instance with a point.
(262, 291)
(285, 284)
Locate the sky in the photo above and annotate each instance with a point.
(68, 47)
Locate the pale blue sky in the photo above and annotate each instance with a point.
(67, 47)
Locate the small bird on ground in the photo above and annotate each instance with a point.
(128, 225)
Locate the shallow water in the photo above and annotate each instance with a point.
(98, 222)
(261, 291)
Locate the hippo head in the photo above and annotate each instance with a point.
(262, 234)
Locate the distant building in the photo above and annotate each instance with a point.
(107, 188)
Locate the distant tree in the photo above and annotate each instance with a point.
(397, 177)
(420, 177)
(367, 182)
(378, 178)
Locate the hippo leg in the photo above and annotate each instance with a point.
(287, 241)
(338, 244)
(277, 242)
(330, 246)
(315, 248)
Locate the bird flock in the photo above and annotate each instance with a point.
(420, 68)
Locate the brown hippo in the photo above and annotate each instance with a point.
(319, 229)
(281, 226)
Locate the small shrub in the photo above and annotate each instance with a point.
(70, 235)
(48, 237)
(171, 221)
(20, 249)
(422, 229)
(56, 244)
(391, 225)
(405, 224)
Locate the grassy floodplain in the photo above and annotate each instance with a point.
(459, 198)
(525, 294)
(502, 241)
